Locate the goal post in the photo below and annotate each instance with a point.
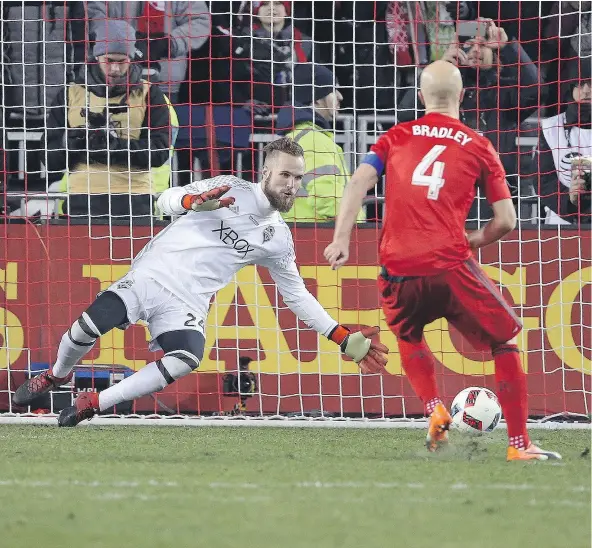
(54, 260)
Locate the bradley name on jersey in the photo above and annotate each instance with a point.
(377, 160)
(424, 130)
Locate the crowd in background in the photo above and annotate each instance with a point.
(204, 77)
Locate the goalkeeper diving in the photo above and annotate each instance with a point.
(229, 223)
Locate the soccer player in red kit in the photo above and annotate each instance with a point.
(432, 167)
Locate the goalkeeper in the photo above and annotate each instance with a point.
(172, 280)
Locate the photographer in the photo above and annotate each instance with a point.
(110, 132)
(501, 85)
(565, 153)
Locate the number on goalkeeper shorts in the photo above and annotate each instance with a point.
(435, 181)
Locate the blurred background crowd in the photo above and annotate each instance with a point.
(106, 104)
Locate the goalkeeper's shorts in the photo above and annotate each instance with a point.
(147, 300)
(465, 296)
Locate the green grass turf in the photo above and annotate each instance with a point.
(267, 487)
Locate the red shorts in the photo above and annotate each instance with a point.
(465, 296)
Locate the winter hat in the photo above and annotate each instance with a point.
(256, 6)
(311, 86)
(115, 36)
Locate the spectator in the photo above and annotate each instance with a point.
(280, 43)
(424, 34)
(524, 20)
(501, 91)
(419, 33)
(260, 51)
(569, 30)
(564, 181)
(166, 32)
(567, 34)
(378, 45)
(110, 132)
(363, 60)
(39, 51)
(309, 124)
(247, 76)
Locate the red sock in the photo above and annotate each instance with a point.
(512, 393)
(419, 365)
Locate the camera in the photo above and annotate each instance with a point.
(583, 164)
(101, 120)
(242, 384)
(472, 29)
(95, 120)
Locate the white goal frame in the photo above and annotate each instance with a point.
(269, 422)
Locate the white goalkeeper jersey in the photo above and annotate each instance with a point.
(199, 253)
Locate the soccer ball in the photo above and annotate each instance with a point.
(475, 410)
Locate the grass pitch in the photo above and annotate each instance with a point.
(210, 487)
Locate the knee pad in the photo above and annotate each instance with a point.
(177, 364)
(188, 341)
(88, 326)
(105, 313)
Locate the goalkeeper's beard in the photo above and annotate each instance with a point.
(278, 200)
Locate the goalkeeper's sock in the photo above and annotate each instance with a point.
(419, 365)
(75, 344)
(147, 380)
(512, 393)
(154, 377)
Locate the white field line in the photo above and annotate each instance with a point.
(267, 422)
(303, 485)
(226, 498)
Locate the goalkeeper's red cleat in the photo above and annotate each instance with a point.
(86, 406)
(440, 421)
(35, 387)
(532, 452)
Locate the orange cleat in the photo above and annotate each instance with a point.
(532, 452)
(440, 421)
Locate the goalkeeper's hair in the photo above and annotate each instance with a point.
(286, 145)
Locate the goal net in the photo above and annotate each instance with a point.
(72, 220)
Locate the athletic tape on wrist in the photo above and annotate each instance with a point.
(186, 201)
(339, 334)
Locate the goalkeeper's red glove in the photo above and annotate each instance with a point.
(370, 356)
(207, 201)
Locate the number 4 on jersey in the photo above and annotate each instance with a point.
(435, 181)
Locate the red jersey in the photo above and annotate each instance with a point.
(433, 166)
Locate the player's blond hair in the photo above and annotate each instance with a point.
(285, 145)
